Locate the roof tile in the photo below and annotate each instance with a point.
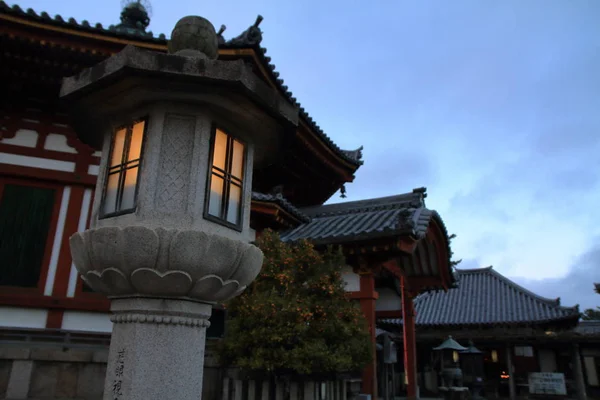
(393, 215)
(485, 297)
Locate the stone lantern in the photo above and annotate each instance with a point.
(451, 374)
(473, 370)
(180, 135)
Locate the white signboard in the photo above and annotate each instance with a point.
(547, 383)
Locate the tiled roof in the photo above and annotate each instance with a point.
(354, 157)
(404, 214)
(588, 328)
(282, 202)
(485, 297)
(83, 25)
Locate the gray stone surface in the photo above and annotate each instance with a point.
(44, 379)
(66, 383)
(100, 356)
(19, 380)
(167, 263)
(90, 382)
(173, 178)
(14, 353)
(156, 340)
(109, 87)
(164, 263)
(5, 367)
(52, 354)
(194, 33)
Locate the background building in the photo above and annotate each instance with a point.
(509, 324)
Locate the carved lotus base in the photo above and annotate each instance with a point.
(157, 262)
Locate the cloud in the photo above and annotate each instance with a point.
(576, 287)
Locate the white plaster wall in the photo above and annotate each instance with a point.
(86, 321)
(23, 137)
(16, 317)
(83, 218)
(37, 162)
(351, 279)
(388, 300)
(547, 360)
(56, 245)
(93, 169)
(58, 142)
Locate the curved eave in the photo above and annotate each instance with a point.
(519, 288)
(349, 160)
(569, 321)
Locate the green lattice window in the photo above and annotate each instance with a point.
(25, 214)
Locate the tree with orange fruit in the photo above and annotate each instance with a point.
(296, 318)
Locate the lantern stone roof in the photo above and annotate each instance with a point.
(450, 344)
(485, 297)
(250, 38)
(403, 214)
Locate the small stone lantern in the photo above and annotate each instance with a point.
(451, 374)
(472, 367)
(180, 135)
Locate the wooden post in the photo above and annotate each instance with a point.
(510, 370)
(578, 373)
(265, 390)
(226, 388)
(368, 297)
(410, 346)
(309, 390)
(251, 390)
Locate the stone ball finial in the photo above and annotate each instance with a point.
(194, 36)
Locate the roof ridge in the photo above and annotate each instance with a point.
(473, 270)
(410, 200)
(515, 286)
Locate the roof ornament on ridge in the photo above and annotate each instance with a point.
(220, 37)
(250, 37)
(355, 155)
(135, 17)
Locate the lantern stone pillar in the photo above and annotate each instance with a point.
(180, 135)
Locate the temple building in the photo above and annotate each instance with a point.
(397, 249)
(515, 329)
(48, 180)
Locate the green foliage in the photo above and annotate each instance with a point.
(591, 315)
(453, 263)
(296, 317)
